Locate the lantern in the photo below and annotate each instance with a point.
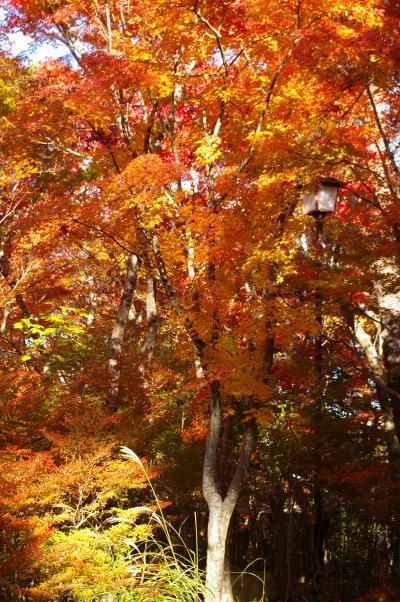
(323, 199)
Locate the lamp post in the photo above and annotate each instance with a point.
(320, 201)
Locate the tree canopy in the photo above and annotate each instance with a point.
(162, 289)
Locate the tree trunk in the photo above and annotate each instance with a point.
(391, 356)
(217, 531)
(388, 292)
(117, 335)
(390, 321)
(380, 377)
(320, 515)
(220, 509)
(320, 529)
(151, 319)
(5, 252)
(227, 592)
(148, 345)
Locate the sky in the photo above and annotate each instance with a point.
(20, 44)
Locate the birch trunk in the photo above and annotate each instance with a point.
(118, 331)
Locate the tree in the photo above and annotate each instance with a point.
(176, 138)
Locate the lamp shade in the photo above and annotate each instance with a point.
(323, 199)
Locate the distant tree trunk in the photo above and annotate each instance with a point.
(148, 343)
(320, 530)
(380, 377)
(5, 269)
(92, 300)
(118, 331)
(5, 251)
(391, 356)
(151, 319)
(320, 515)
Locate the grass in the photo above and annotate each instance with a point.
(165, 569)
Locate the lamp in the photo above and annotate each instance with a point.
(322, 201)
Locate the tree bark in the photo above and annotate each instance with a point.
(118, 331)
(391, 356)
(320, 529)
(320, 514)
(380, 377)
(227, 592)
(151, 320)
(5, 251)
(148, 344)
(221, 508)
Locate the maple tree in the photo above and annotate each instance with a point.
(162, 289)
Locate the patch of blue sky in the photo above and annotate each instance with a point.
(24, 46)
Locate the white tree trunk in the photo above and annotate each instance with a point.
(218, 523)
(379, 374)
(151, 320)
(221, 508)
(118, 331)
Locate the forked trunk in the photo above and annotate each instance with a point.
(221, 508)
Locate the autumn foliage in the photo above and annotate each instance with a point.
(161, 289)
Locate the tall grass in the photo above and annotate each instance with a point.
(164, 568)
